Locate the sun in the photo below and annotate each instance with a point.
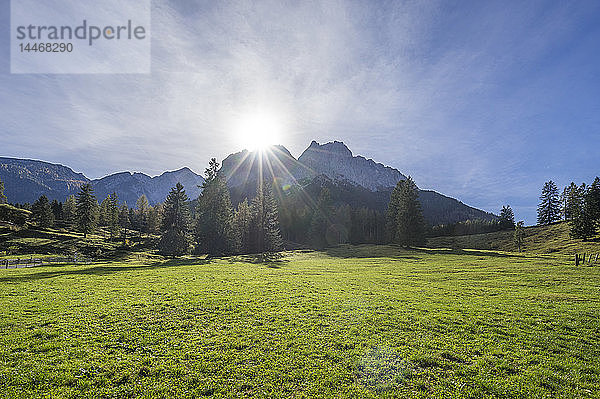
(258, 130)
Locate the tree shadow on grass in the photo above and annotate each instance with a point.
(100, 269)
(272, 260)
(412, 253)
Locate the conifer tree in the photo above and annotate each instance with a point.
(174, 240)
(70, 211)
(391, 217)
(241, 222)
(87, 210)
(124, 222)
(214, 231)
(571, 200)
(583, 224)
(142, 210)
(519, 235)
(3, 198)
(41, 211)
(549, 207)
(264, 226)
(153, 222)
(57, 210)
(593, 200)
(507, 217)
(410, 225)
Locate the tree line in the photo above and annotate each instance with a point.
(578, 205)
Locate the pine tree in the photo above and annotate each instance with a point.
(153, 224)
(41, 211)
(320, 220)
(3, 198)
(214, 231)
(571, 200)
(87, 210)
(549, 207)
(57, 210)
(593, 199)
(142, 210)
(124, 222)
(264, 226)
(391, 217)
(241, 222)
(507, 217)
(174, 240)
(70, 212)
(519, 235)
(583, 224)
(410, 226)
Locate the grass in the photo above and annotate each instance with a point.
(538, 239)
(350, 322)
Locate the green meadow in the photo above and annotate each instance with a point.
(358, 322)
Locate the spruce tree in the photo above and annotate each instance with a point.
(241, 222)
(3, 198)
(391, 217)
(41, 212)
(113, 215)
(57, 210)
(87, 210)
(264, 226)
(593, 200)
(214, 231)
(507, 217)
(124, 222)
(519, 235)
(174, 240)
(549, 207)
(410, 225)
(153, 223)
(571, 200)
(142, 210)
(583, 224)
(70, 212)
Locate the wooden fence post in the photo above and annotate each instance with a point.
(576, 259)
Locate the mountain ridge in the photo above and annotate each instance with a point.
(353, 180)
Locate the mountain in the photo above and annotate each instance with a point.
(336, 161)
(352, 180)
(26, 180)
(130, 186)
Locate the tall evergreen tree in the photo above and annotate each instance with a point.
(174, 240)
(391, 217)
(57, 210)
(113, 215)
(153, 223)
(241, 222)
(549, 207)
(124, 222)
(70, 212)
(593, 200)
(519, 235)
(583, 224)
(41, 212)
(214, 231)
(3, 198)
(320, 220)
(571, 200)
(507, 217)
(265, 234)
(87, 210)
(143, 207)
(410, 225)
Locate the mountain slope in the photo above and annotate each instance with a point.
(25, 180)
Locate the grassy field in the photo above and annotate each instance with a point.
(350, 322)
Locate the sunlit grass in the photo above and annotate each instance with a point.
(351, 322)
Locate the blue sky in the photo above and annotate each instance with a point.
(482, 101)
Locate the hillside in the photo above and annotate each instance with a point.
(538, 239)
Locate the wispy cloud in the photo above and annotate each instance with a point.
(469, 100)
